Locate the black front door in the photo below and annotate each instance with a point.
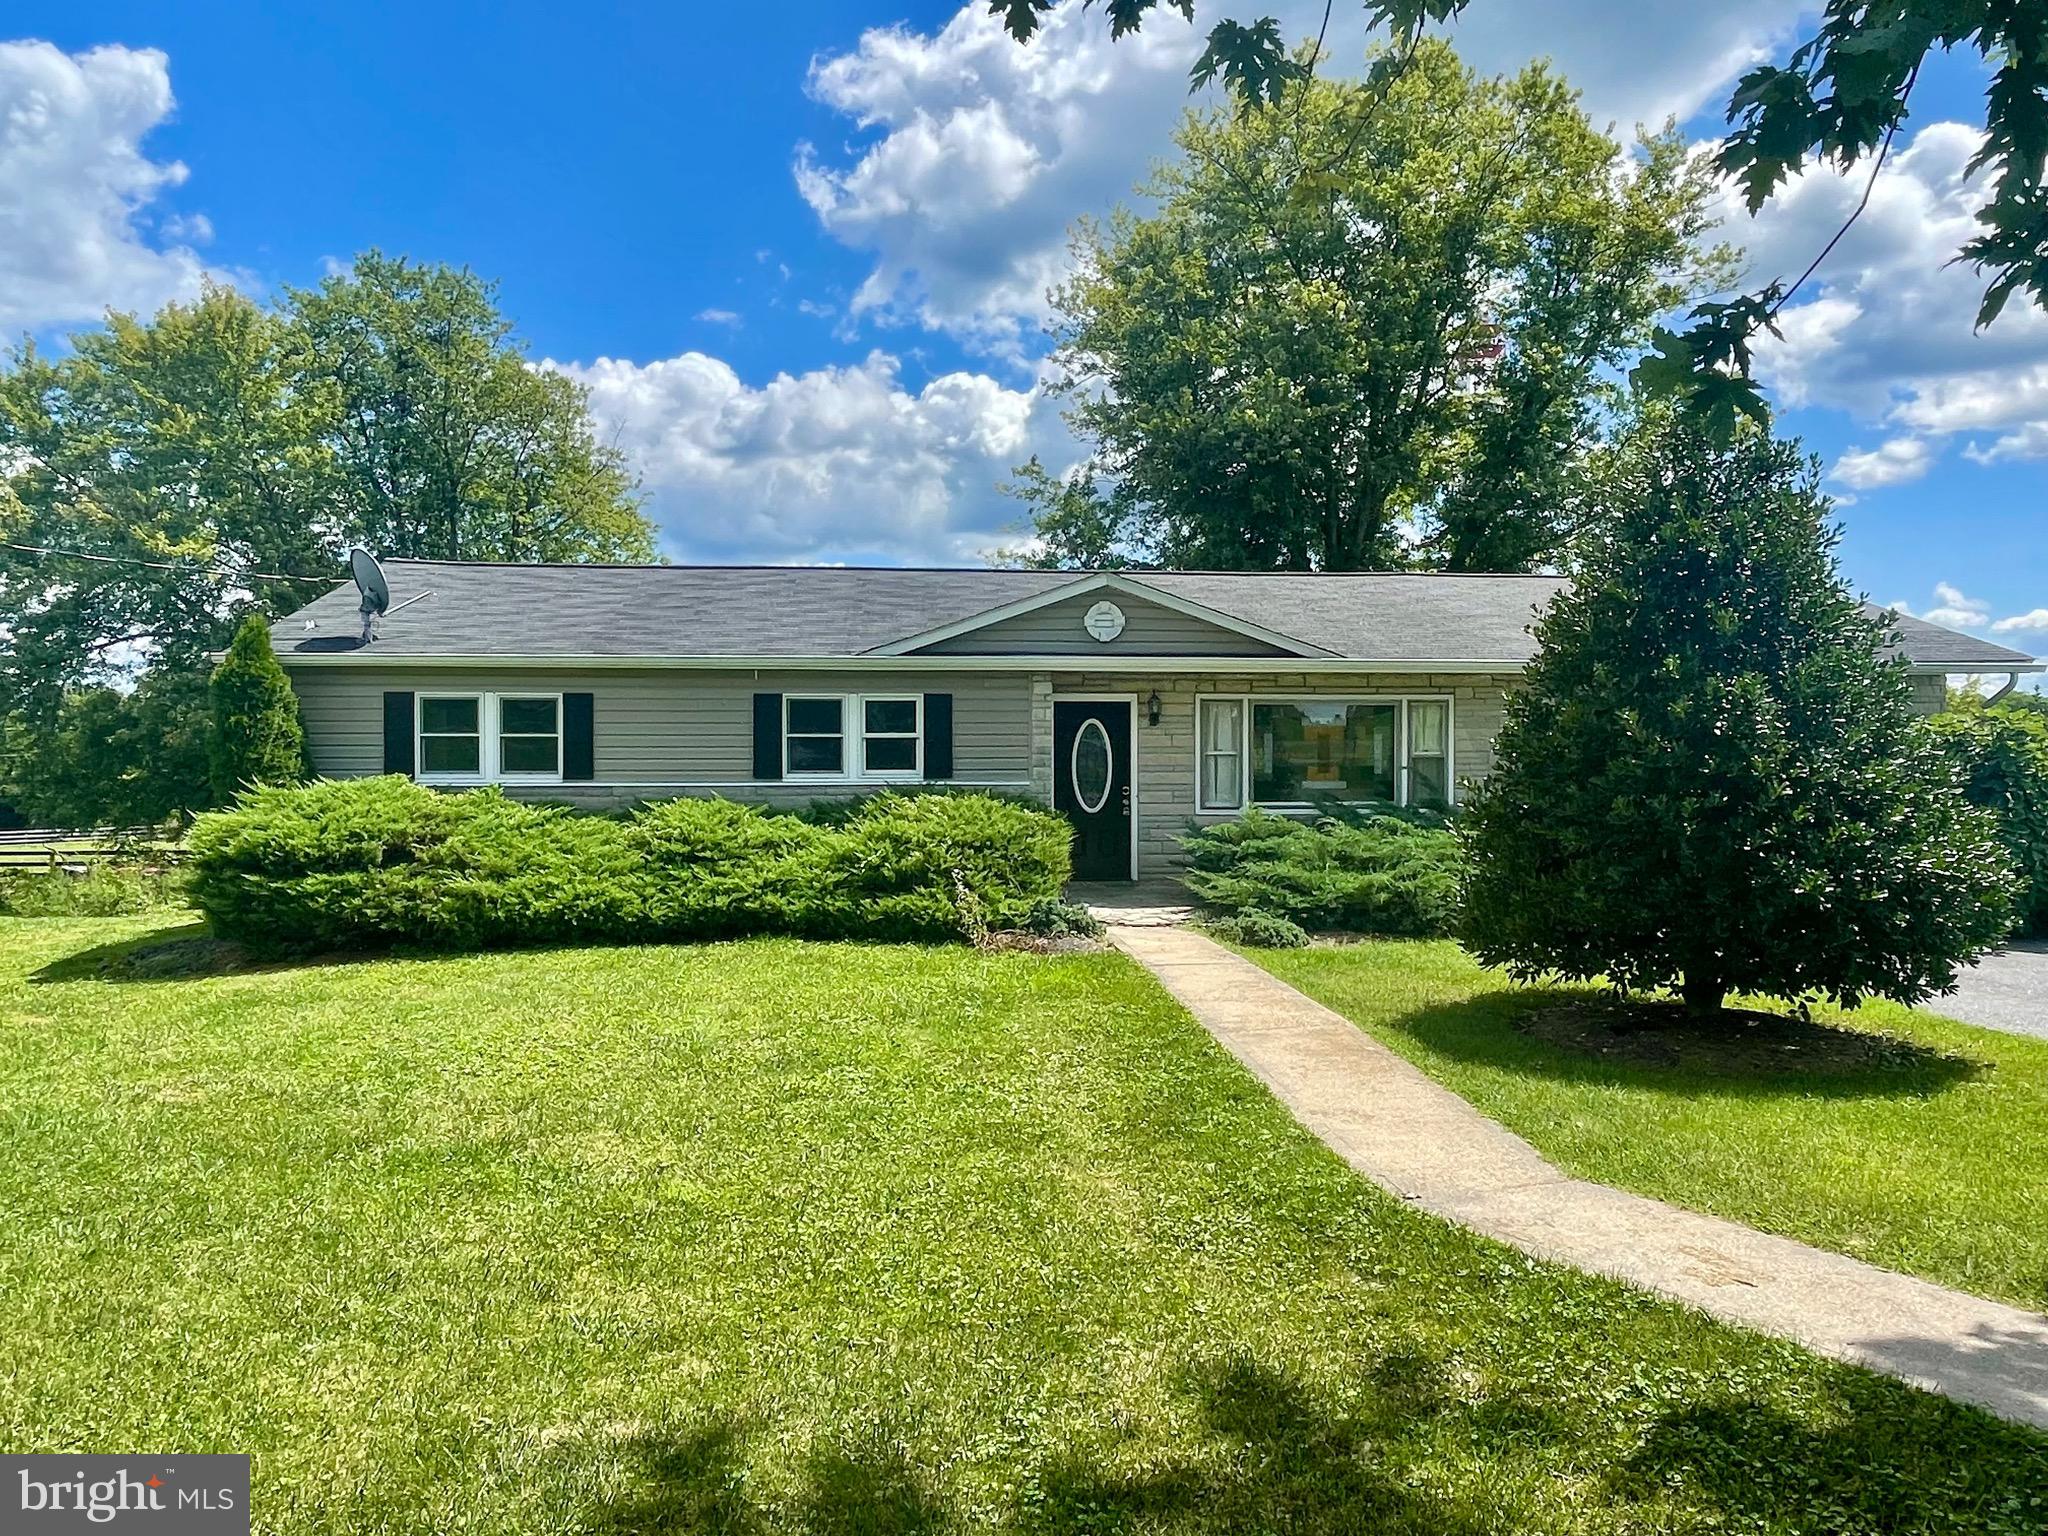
(1091, 784)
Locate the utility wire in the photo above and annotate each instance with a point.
(161, 565)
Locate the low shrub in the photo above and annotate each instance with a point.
(838, 810)
(709, 869)
(913, 866)
(100, 890)
(348, 863)
(1258, 930)
(1051, 918)
(1361, 813)
(2003, 754)
(1379, 875)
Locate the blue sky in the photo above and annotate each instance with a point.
(799, 250)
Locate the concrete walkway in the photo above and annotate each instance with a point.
(1141, 904)
(1427, 1145)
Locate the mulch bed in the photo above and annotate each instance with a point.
(1016, 941)
(1737, 1042)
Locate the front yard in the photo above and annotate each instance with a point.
(1925, 1152)
(785, 1235)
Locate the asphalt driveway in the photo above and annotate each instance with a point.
(2007, 989)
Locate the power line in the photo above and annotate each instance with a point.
(161, 565)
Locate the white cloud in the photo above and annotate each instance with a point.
(838, 464)
(1952, 609)
(2036, 619)
(978, 154)
(2029, 442)
(1633, 63)
(75, 182)
(1892, 463)
(714, 316)
(1888, 335)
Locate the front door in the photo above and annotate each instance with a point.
(1091, 783)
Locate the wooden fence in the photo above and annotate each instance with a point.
(33, 849)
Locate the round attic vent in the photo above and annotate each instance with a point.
(1105, 621)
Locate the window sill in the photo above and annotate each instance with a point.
(1300, 807)
(843, 779)
(477, 781)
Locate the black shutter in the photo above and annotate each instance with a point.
(767, 735)
(579, 743)
(398, 733)
(938, 735)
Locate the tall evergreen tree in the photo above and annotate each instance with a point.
(257, 738)
(1712, 779)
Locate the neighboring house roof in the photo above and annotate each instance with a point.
(447, 611)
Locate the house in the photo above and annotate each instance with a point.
(1131, 701)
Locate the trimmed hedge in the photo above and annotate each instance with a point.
(370, 862)
(1378, 875)
(2003, 754)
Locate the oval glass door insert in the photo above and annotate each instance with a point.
(1092, 767)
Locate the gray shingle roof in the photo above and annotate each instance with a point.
(1928, 643)
(447, 609)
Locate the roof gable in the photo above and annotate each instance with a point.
(1051, 623)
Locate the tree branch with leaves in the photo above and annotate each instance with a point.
(1839, 100)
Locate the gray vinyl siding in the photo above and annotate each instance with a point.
(1150, 629)
(665, 732)
(670, 731)
(1166, 752)
(1930, 693)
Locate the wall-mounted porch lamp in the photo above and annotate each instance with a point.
(1152, 708)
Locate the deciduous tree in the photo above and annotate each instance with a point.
(446, 443)
(171, 474)
(1838, 100)
(1341, 337)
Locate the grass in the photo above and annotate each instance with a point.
(101, 890)
(776, 1236)
(1933, 1159)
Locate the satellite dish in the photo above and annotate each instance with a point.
(371, 583)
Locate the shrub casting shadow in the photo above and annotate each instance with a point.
(188, 952)
(1508, 1030)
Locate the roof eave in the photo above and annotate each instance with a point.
(870, 662)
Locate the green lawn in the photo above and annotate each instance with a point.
(785, 1236)
(1934, 1162)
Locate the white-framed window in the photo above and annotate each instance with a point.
(1290, 751)
(852, 736)
(451, 736)
(892, 736)
(529, 735)
(813, 736)
(485, 738)
(1221, 769)
(1429, 753)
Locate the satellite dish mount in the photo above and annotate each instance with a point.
(375, 589)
